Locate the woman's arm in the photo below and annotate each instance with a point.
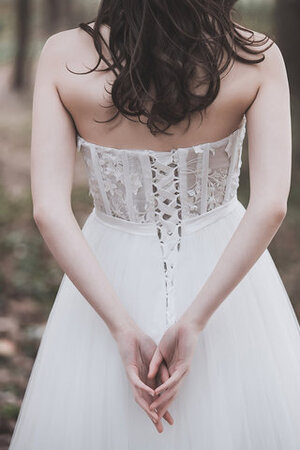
(269, 145)
(269, 149)
(53, 153)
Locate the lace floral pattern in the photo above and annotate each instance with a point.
(145, 214)
(194, 199)
(112, 172)
(93, 181)
(235, 155)
(216, 186)
(121, 180)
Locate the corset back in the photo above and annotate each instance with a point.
(135, 184)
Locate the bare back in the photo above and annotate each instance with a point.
(85, 98)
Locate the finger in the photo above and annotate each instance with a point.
(155, 363)
(174, 378)
(164, 375)
(166, 395)
(167, 416)
(162, 398)
(137, 382)
(152, 415)
(159, 426)
(163, 372)
(162, 411)
(142, 402)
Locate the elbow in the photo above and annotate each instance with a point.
(278, 212)
(274, 211)
(46, 215)
(40, 216)
(282, 213)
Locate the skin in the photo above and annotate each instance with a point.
(65, 104)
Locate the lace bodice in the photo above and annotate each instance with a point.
(128, 183)
(164, 188)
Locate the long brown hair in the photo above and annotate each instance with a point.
(156, 47)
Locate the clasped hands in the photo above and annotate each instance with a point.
(156, 371)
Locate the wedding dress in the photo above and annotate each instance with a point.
(160, 222)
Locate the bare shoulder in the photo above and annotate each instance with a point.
(267, 46)
(59, 42)
(54, 50)
(70, 44)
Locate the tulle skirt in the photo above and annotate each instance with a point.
(243, 389)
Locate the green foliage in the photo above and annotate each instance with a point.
(28, 268)
(9, 411)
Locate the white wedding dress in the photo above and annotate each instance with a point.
(160, 222)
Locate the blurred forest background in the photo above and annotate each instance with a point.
(29, 276)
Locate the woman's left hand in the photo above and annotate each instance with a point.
(136, 349)
(176, 348)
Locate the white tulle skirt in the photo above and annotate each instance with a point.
(243, 389)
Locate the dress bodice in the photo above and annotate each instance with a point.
(134, 184)
(165, 190)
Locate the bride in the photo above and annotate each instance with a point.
(171, 307)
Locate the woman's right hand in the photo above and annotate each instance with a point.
(176, 348)
(136, 350)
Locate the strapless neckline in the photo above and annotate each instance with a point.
(80, 139)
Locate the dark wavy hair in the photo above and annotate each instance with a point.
(161, 50)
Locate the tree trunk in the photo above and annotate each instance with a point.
(58, 15)
(23, 14)
(52, 16)
(68, 12)
(287, 19)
